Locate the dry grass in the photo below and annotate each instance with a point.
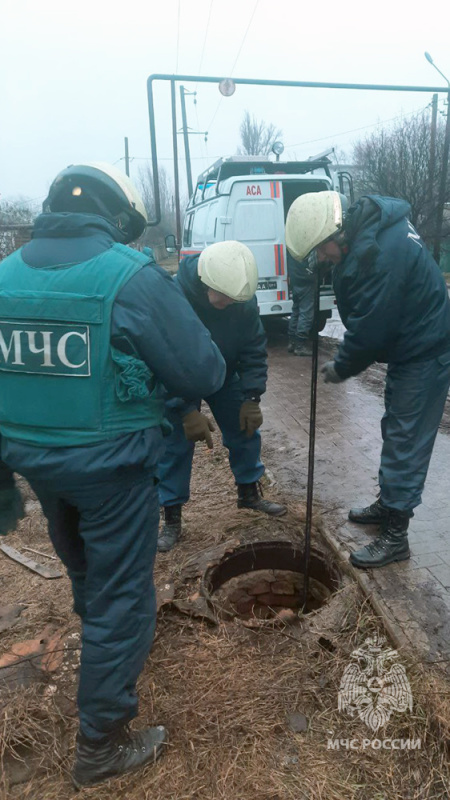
(225, 692)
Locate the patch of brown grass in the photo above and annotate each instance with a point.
(224, 694)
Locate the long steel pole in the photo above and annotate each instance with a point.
(312, 438)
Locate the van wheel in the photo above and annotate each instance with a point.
(324, 316)
(274, 324)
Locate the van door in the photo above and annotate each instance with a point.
(194, 231)
(256, 218)
(211, 223)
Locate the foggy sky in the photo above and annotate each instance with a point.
(74, 76)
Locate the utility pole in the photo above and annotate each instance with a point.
(444, 171)
(443, 185)
(127, 157)
(432, 166)
(186, 140)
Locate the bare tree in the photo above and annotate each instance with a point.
(16, 219)
(257, 137)
(155, 235)
(396, 162)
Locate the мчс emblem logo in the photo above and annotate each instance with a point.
(42, 348)
(374, 685)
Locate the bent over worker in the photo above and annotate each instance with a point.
(93, 329)
(220, 285)
(394, 303)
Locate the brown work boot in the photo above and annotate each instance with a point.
(96, 760)
(250, 495)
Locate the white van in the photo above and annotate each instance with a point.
(247, 198)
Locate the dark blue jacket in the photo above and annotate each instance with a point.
(151, 318)
(237, 330)
(390, 292)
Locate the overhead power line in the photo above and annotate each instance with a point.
(205, 38)
(230, 74)
(178, 36)
(244, 38)
(355, 130)
(290, 146)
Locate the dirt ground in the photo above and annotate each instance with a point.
(250, 705)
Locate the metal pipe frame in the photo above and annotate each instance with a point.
(378, 87)
(314, 366)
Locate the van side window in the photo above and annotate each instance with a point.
(199, 225)
(187, 236)
(255, 221)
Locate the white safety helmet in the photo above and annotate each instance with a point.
(312, 218)
(229, 268)
(98, 188)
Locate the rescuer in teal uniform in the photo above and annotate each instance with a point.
(89, 330)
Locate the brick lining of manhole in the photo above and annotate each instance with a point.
(262, 578)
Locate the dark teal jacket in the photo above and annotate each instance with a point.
(390, 292)
(237, 330)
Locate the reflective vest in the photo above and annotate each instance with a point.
(62, 384)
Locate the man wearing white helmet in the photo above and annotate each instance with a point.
(394, 303)
(92, 329)
(220, 285)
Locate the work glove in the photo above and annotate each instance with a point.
(11, 509)
(197, 428)
(250, 417)
(329, 373)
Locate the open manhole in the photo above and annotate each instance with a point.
(263, 578)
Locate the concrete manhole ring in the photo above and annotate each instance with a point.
(263, 578)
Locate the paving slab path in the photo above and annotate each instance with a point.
(413, 596)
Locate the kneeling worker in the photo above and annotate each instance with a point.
(92, 330)
(220, 285)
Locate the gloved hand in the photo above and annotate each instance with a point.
(11, 509)
(197, 428)
(329, 373)
(250, 417)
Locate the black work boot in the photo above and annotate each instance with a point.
(250, 495)
(11, 507)
(303, 347)
(291, 346)
(374, 514)
(171, 530)
(391, 545)
(369, 515)
(96, 760)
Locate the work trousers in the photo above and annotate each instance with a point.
(415, 396)
(302, 313)
(107, 540)
(175, 467)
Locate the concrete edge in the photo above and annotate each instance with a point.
(393, 628)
